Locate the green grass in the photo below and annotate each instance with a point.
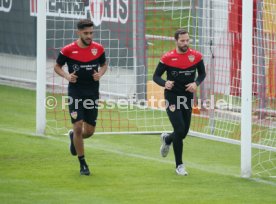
(126, 168)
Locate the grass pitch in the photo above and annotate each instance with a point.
(125, 168)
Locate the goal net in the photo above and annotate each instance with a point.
(264, 103)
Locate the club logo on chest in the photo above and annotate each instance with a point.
(94, 51)
(191, 58)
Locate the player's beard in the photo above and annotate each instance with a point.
(183, 49)
(85, 43)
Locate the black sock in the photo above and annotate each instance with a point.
(82, 160)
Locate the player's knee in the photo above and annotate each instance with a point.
(181, 133)
(88, 132)
(91, 133)
(78, 132)
(186, 132)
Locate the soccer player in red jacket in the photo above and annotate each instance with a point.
(180, 65)
(83, 58)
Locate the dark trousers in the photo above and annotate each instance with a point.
(180, 118)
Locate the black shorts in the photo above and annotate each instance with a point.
(84, 108)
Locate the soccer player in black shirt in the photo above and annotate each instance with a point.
(181, 65)
(83, 58)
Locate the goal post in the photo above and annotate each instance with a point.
(41, 58)
(246, 95)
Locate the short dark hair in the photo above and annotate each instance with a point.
(178, 32)
(84, 23)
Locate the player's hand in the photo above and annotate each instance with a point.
(169, 85)
(72, 77)
(96, 75)
(191, 87)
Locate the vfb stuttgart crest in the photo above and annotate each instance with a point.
(172, 108)
(191, 58)
(94, 51)
(97, 11)
(74, 114)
